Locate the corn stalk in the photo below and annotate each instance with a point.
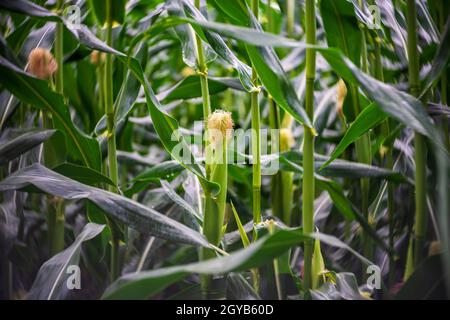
(256, 137)
(55, 206)
(419, 140)
(203, 73)
(308, 144)
(111, 136)
(218, 124)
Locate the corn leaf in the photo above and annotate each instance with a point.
(146, 284)
(127, 211)
(15, 147)
(51, 280)
(36, 92)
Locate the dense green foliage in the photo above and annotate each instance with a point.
(109, 163)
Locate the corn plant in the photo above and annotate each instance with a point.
(238, 149)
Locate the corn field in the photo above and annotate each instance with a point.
(224, 149)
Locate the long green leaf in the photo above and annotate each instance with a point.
(23, 143)
(36, 92)
(293, 161)
(369, 117)
(127, 211)
(341, 28)
(222, 50)
(51, 280)
(29, 8)
(145, 284)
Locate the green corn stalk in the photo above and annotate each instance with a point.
(218, 124)
(111, 136)
(97, 59)
(409, 267)
(216, 170)
(55, 206)
(419, 140)
(59, 223)
(270, 26)
(203, 72)
(256, 138)
(308, 187)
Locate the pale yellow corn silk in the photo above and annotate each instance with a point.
(286, 139)
(220, 125)
(41, 63)
(341, 93)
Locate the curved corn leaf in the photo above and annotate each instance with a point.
(343, 287)
(146, 284)
(127, 211)
(170, 192)
(293, 161)
(29, 8)
(82, 174)
(128, 93)
(340, 200)
(165, 126)
(369, 117)
(51, 280)
(36, 92)
(23, 143)
(164, 170)
(239, 289)
(189, 88)
(264, 59)
(188, 40)
(222, 50)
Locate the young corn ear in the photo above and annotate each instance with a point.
(341, 93)
(318, 266)
(219, 130)
(41, 63)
